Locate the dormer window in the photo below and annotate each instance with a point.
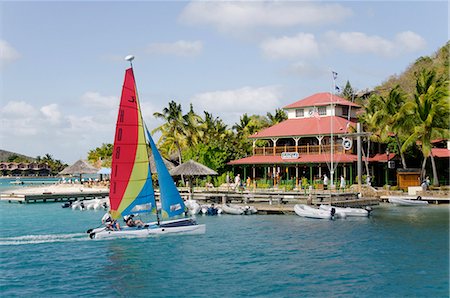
(299, 113)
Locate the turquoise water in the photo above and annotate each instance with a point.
(10, 183)
(397, 252)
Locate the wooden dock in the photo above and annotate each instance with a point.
(282, 203)
(52, 197)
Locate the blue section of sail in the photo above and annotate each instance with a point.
(145, 200)
(171, 202)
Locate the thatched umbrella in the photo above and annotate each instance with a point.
(79, 168)
(191, 169)
(168, 164)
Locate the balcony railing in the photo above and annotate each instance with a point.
(307, 149)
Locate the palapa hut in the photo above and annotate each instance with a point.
(191, 169)
(79, 168)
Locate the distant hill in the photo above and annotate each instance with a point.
(5, 155)
(439, 61)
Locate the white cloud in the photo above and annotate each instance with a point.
(7, 52)
(96, 100)
(230, 104)
(358, 42)
(410, 41)
(17, 119)
(51, 113)
(238, 15)
(301, 45)
(178, 48)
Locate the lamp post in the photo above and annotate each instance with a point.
(387, 166)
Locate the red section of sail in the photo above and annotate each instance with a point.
(125, 141)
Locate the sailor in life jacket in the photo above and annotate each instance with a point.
(110, 223)
(131, 222)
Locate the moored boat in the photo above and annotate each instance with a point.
(310, 212)
(238, 210)
(399, 201)
(347, 211)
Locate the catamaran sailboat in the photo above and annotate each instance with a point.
(131, 189)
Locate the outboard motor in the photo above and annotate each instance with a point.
(333, 212)
(66, 205)
(211, 211)
(369, 209)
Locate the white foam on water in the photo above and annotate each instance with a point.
(36, 239)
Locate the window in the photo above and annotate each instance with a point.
(322, 111)
(345, 111)
(299, 113)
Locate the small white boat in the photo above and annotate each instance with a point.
(232, 209)
(360, 212)
(238, 210)
(193, 207)
(310, 212)
(185, 226)
(94, 204)
(399, 201)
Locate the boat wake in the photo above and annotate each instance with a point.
(38, 239)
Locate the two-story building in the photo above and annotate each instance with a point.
(309, 144)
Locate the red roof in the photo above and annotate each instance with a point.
(305, 158)
(305, 127)
(321, 99)
(440, 152)
(381, 157)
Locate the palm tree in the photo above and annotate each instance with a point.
(191, 127)
(368, 120)
(429, 110)
(390, 117)
(173, 129)
(279, 116)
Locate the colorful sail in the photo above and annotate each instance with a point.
(131, 189)
(171, 202)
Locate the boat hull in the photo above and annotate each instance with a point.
(180, 226)
(309, 212)
(232, 209)
(357, 212)
(407, 202)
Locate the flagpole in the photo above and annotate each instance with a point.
(332, 140)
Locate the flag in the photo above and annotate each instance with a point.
(337, 88)
(334, 75)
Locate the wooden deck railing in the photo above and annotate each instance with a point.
(308, 149)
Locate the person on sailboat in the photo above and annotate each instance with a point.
(131, 222)
(110, 223)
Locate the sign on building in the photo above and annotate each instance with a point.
(289, 155)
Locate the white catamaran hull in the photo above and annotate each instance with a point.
(179, 226)
(307, 211)
(347, 211)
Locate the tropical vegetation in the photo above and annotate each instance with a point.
(406, 113)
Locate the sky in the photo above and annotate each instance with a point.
(62, 63)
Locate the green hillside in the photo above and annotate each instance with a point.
(439, 62)
(9, 156)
